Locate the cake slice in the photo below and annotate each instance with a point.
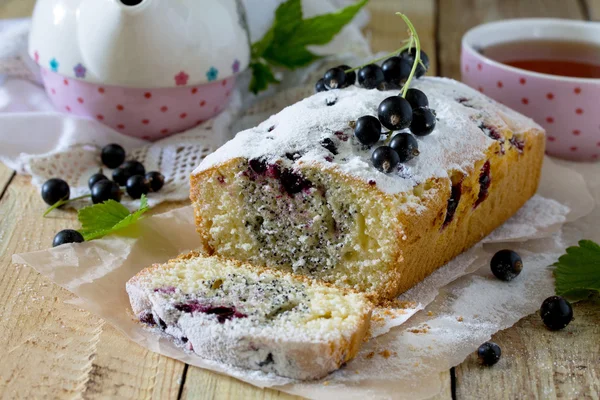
(299, 193)
(251, 317)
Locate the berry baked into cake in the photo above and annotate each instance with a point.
(322, 189)
(252, 317)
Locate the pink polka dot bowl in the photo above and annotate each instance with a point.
(566, 107)
(147, 68)
(149, 114)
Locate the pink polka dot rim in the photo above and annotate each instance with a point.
(561, 105)
(145, 113)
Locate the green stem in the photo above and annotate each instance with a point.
(61, 203)
(393, 53)
(414, 34)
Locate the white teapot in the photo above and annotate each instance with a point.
(147, 68)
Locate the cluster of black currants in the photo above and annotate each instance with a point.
(397, 113)
(131, 174)
(409, 110)
(392, 74)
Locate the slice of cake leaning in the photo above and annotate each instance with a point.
(251, 317)
(299, 192)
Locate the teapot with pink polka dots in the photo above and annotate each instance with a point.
(146, 68)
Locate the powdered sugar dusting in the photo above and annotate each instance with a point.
(456, 143)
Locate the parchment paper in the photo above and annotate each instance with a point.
(447, 316)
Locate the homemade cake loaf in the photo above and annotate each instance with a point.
(299, 193)
(252, 317)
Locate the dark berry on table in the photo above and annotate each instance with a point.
(67, 236)
(113, 155)
(350, 76)
(556, 312)
(105, 190)
(410, 56)
(506, 265)
(423, 121)
(489, 353)
(134, 168)
(370, 76)
(335, 78)
(329, 145)
(137, 186)
(96, 178)
(54, 190)
(416, 98)
(119, 176)
(395, 113)
(405, 145)
(367, 130)
(396, 71)
(156, 180)
(385, 159)
(320, 86)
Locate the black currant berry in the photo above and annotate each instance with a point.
(489, 353)
(506, 265)
(370, 76)
(405, 145)
(137, 186)
(96, 178)
(423, 121)
(105, 190)
(54, 190)
(410, 56)
(416, 98)
(320, 86)
(396, 71)
(395, 113)
(350, 76)
(119, 176)
(134, 168)
(335, 78)
(385, 159)
(67, 236)
(156, 180)
(113, 155)
(556, 312)
(329, 145)
(367, 130)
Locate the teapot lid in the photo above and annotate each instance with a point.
(140, 43)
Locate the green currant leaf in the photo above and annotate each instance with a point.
(262, 76)
(102, 219)
(577, 273)
(322, 29)
(284, 45)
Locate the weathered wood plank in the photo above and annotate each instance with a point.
(54, 350)
(387, 30)
(6, 175)
(539, 364)
(16, 8)
(456, 17)
(593, 7)
(203, 385)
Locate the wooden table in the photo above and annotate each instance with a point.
(50, 349)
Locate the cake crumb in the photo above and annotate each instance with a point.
(370, 355)
(326, 383)
(420, 330)
(385, 353)
(460, 319)
(356, 372)
(430, 313)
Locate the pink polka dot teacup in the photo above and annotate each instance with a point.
(566, 106)
(147, 68)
